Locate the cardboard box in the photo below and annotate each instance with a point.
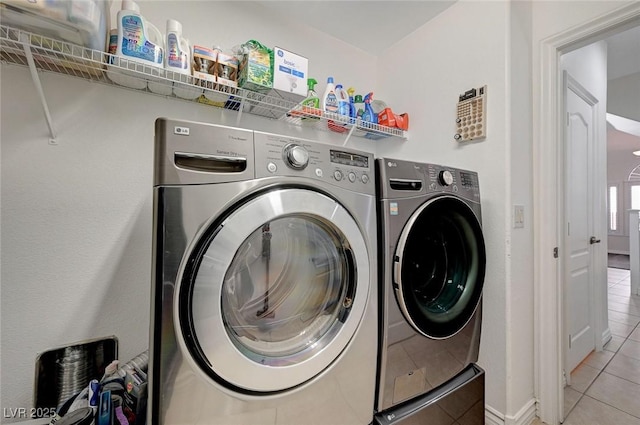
(226, 70)
(204, 62)
(290, 73)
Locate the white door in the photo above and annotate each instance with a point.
(579, 206)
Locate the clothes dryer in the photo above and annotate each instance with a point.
(264, 301)
(432, 260)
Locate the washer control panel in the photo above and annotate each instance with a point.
(277, 155)
(462, 182)
(405, 179)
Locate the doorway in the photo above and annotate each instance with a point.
(549, 180)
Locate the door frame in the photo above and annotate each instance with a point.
(548, 183)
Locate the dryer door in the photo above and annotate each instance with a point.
(272, 294)
(439, 267)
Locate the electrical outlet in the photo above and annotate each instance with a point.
(518, 216)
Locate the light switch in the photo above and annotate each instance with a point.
(518, 216)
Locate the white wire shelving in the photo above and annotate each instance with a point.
(40, 53)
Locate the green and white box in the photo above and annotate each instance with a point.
(255, 69)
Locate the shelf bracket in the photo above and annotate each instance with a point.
(36, 81)
(240, 109)
(353, 127)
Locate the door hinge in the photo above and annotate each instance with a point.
(569, 342)
(555, 252)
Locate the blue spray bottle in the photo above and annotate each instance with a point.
(369, 115)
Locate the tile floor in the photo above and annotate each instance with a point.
(605, 388)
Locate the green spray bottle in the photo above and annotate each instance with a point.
(311, 105)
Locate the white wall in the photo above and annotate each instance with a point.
(76, 218)
(622, 96)
(520, 322)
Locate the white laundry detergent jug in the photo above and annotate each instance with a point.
(177, 62)
(140, 50)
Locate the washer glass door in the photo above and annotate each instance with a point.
(441, 262)
(275, 291)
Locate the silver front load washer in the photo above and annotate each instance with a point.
(264, 303)
(432, 260)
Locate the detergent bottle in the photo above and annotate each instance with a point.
(352, 105)
(343, 100)
(138, 39)
(177, 60)
(178, 54)
(329, 99)
(369, 115)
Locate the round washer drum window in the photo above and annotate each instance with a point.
(273, 292)
(286, 289)
(442, 267)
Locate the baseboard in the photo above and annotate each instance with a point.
(492, 416)
(525, 416)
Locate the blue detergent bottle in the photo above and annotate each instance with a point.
(343, 100)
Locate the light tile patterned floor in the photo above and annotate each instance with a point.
(605, 387)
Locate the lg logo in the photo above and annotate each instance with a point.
(391, 164)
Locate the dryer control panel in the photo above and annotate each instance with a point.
(277, 155)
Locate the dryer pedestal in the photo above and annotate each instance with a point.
(458, 401)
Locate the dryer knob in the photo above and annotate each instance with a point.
(445, 178)
(296, 156)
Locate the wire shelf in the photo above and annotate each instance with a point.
(66, 58)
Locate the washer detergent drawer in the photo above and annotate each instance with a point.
(461, 400)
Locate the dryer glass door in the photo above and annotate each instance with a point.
(440, 261)
(275, 291)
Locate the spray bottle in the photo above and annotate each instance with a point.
(311, 105)
(369, 115)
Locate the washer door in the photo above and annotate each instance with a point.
(439, 267)
(274, 293)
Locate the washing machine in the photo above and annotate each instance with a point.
(432, 268)
(264, 300)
